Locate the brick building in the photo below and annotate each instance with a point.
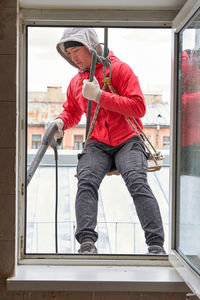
(43, 107)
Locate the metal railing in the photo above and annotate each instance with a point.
(114, 238)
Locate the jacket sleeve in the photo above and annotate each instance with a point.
(130, 100)
(72, 112)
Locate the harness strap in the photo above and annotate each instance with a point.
(107, 83)
(136, 131)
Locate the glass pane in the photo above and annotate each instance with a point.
(78, 142)
(36, 137)
(166, 142)
(36, 141)
(188, 204)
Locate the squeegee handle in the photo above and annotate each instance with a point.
(48, 140)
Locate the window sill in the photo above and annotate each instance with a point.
(96, 278)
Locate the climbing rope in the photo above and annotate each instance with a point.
(155, 159)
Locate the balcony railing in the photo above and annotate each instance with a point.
(114, 238)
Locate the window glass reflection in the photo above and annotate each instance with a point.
(188, 215)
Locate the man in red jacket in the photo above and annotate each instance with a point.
(112, 143)
(190, 113)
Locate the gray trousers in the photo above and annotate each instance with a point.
(130, 159)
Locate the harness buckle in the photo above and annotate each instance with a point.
(107, 80)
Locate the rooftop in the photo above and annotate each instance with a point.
(118, 225)
(44, 112)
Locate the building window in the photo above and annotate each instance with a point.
(36, 141)
(50, 225)
(188, 162)
(150, 140)
(166, 142)
(78, 142)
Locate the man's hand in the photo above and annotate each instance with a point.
(91, 90)
(59, 133)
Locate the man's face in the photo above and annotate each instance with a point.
(80, 56)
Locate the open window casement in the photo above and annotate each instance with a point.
(185, 172)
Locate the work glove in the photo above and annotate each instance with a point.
(59, 133)
(91, 90)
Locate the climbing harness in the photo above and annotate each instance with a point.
(155, 159)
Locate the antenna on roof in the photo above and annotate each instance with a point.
(105, 42)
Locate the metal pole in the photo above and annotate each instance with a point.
(105, 42)
(92, 71)
(116, 238)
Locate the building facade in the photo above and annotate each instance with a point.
(43, 107)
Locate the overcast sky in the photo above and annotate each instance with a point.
(147, 51)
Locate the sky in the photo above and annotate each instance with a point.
(147, 51)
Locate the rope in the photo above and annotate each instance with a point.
(154, 157)
(136, 131)
(107, 82)
(105, 61)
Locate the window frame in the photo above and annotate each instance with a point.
(183, 268)
(35, 140)
(78, 141)
(166, 142)
(79, 18)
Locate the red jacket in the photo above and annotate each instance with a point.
(190, 119)
(190, 102)
(111, 126)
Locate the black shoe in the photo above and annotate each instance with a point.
(156, 250)
(88, 248)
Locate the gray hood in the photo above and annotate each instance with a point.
(86, 36)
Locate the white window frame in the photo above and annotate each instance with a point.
(68, 18)
(187, 273)
(131, 264)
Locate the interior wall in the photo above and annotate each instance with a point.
(7, 135)
(8, 42)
